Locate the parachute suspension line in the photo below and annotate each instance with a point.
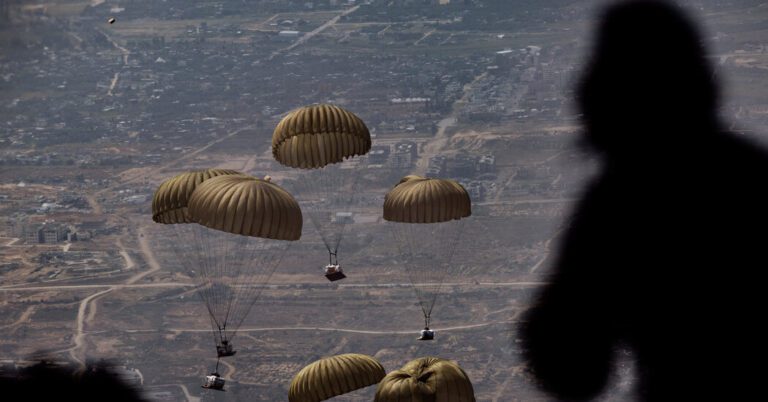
(223, 272)
(214, 322)
(213, 252)
(421, 277)
(249, 267)
(233, 295)
(319, 227)
(445, 239)
(404, 244)
(217, 365)
(452, 243)
(226, 270)
(215, 325)
(323, 193)
(426, 321)
(215, 334)
(332, 258)
(183, 233)
(219, 258)
(213, 273)
(210, 273)
(275, 262)
(345, 197)
(235, 249)
(208, 292)
(335, 251)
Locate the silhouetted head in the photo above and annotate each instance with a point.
(648, 87)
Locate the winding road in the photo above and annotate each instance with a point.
(129, 263)
(87, 310)
(125, 53)
(230, 369)
(149, 256)
(22, 318)
(328, 329)
(77, 352)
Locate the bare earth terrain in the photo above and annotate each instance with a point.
(96, 116)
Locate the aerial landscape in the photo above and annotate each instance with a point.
(102, 101)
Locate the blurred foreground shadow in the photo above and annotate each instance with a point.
(50, 381)
(664, 253)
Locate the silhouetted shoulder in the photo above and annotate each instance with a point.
(661, 254)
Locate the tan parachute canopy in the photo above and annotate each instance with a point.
(169, 204)
(427, 379)
(245, 205)
(419, 199)
(334, 376)
(317, 135)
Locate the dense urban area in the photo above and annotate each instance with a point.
(95, 115)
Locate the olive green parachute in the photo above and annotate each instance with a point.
(169, 203)
(316, 140)
(317, 135)
(427, 379)
(425, 216)
(245, 205)
(419, 199)
(229, 238)
(335, 375)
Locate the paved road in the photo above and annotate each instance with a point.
(314, 32)
(329, 329)
(149, 256)
(129, 263)
(17, 288)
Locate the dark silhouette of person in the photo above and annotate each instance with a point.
(664, 253)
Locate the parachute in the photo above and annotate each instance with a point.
(245, 205)
(426, 379)
(317, 139)
(318, 135)
(332, 376)
(169, 204)
(426, 218)
(230, 231)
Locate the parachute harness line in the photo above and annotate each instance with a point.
(428, 269)
(332, 258)
(222, 334)
(322, 193)
(231, 272)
